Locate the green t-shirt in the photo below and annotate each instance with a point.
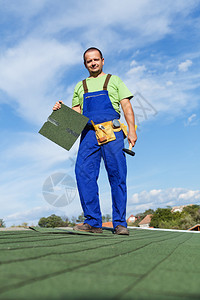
(117, 90)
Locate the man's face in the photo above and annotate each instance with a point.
(93, 62)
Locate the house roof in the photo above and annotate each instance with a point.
(195, 227)
(107, 224)
(146, 220)
(61, 264)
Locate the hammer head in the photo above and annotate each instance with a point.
(130, 152)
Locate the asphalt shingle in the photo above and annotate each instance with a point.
(56, 264)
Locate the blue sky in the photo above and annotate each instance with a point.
(152, 45)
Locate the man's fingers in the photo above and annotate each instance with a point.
(132, 141)
(57, 105)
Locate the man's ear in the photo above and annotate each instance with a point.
(85, 64)
(102, 61)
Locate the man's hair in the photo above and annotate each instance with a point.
(91, 49)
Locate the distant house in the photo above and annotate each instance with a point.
(195, 228)
(179, 208)
(145, 222)
(131, 219)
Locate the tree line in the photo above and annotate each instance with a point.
(56, 221)
(167, 219)
(161, 218)
(187, 218)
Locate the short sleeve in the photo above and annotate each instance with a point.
(76, 97)
(123, 91)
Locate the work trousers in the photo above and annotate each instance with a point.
(87, 173)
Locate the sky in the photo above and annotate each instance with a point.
(153, 46)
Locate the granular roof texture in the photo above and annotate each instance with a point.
(57, 264)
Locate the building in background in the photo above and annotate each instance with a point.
(195, 228)
(145, 222)
(131, 219)
(179, 208)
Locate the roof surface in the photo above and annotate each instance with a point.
(59, 264)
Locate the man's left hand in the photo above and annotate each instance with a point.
(132, 137)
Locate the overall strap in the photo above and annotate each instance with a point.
(104, 86)
(106, 82)
(85, 86)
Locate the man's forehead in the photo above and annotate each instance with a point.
(92, 53)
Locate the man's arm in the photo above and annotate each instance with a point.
(77, 108)
(58, 106)
(130, 119)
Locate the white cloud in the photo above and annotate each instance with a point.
(162, 87)
(191, 120)
(162, 198)
(169, 83)
(31, 70)
(34, 213)
(190, 195)
(23, 9)
(135, 198)
(139, 22)
(133, 63)
(32, 216)
(118, 25)
(30, 74)
(36, 150)
(28, 159)
(184, 66)
(137, 71)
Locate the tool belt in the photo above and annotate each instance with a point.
(105, 132)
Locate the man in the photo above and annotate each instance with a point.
(99, 98)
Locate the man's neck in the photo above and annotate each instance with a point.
(94, 75)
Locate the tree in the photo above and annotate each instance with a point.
(73, 221)
(194, 212)
(161, 215)
(2, 223)
(42, 222)
(66, 221)
(186, 222)
(141, 216)
(108, 218)
(80, 218)
(51, 221)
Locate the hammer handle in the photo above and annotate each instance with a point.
(130, 146)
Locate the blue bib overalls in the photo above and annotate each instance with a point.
(98, 108)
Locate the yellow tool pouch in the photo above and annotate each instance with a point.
(106, 133)
(124, 129)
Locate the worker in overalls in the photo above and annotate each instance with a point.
(99, 98)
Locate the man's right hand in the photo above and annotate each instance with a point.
(58, 105)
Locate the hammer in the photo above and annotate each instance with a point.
(129, 150)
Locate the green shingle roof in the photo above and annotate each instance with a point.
(55, 264)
